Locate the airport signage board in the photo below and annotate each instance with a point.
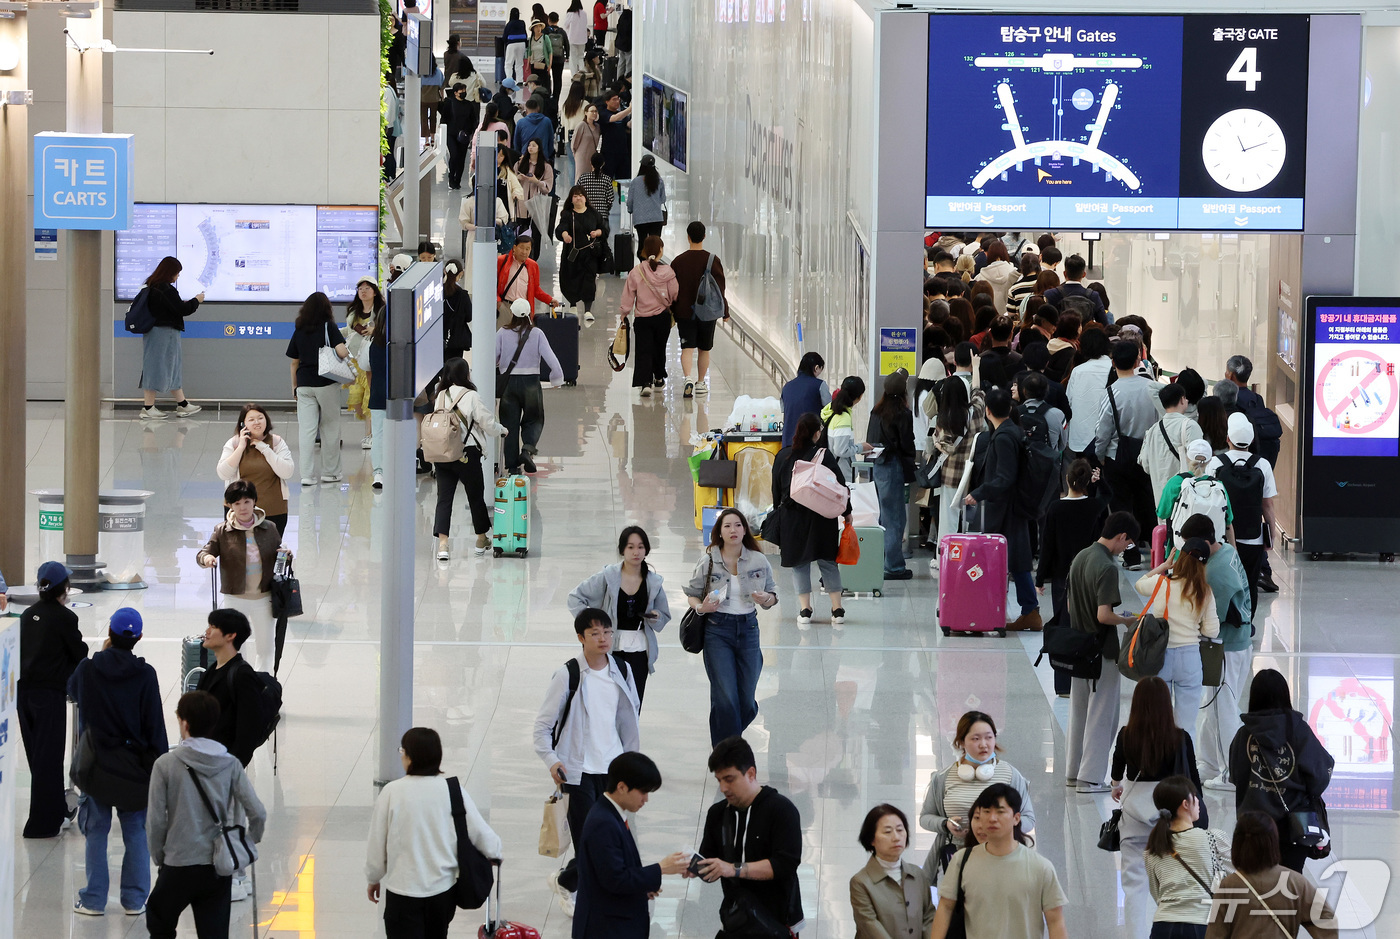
(1130, 122)
(83, 182)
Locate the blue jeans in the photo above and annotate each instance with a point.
(732, 663)
(1182, 671)
(95, 821)
(1026, 597)
(889, 486)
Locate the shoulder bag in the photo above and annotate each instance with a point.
(1305, 829)
(1290, 933)
(286, 590)
(693, 622)
(503, 306)
(1110, 837)
(519, 348)
(957, 924)
(1194, 876)
(233, 850)
(1129, 448)
(475, 873)
(621, 346)
(330, 365)
(1144, 650)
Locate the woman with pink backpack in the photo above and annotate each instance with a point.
(805, 536)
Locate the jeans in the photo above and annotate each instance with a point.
(1026, 597)
(889, 486)
(318, 408)
(831, 577)
(581, 799)
(95, 821)
(522, 411)
(200, 887)
(1182, 672)
(732, 663)
(376, 445)
(468, 475)
(1220, 720)
(418, 917)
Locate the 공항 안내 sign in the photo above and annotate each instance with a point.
(898, 349)
(83, 182)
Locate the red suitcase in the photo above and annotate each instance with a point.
(497, 928)
(972, 572)
(1159, 544)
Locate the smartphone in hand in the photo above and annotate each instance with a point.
(694, 868)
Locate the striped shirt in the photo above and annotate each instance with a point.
(1180, 898)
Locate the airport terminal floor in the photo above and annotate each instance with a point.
(848, 717)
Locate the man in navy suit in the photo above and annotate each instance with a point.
(613, 886)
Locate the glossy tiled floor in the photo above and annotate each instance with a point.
(847, 718)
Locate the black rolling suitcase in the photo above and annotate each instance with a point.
(562, 331)
(609, 72)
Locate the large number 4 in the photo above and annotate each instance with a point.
(1246, 69)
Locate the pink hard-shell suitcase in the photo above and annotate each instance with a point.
(972, 584)
(1159, 544)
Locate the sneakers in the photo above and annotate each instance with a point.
(1219, 784)
(137, 912)
(702, 387)
(152, 413)
(659, 383)
(526, 463)
(238, 890)
(332, 479)
(482, 543)
(905, 574)
(187, 410)
(804, 616)
(308, 480)
(838, 616)
(646, 391)
(588, 318)
(689, 391)
(443, 555)
(366, 442)
(85, 911)
(566, 897)
(378, 483)
(1026, 622)
(1071, 782)
(1088, 788)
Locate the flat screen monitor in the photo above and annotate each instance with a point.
(666, 122)
(251, 253)
(1087, 122)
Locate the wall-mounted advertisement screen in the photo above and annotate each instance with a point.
(1355, 352)
(666, 122)
(1130, 122)
(251, 253)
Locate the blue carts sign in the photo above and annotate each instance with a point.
(83, 181)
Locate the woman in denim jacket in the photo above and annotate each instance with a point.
(730, 582)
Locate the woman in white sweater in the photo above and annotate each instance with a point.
(459, 396)
(1183, 862)
(412, 852)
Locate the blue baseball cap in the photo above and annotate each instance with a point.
(125, 622)
(509, 84)
(52, 573)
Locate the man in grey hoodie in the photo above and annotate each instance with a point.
(180, 829)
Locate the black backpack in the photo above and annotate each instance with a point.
(1038, 465)
(575, 675)
(139, 318)
(269, 706)
(1244, 481)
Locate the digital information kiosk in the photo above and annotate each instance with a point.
(1351, 425)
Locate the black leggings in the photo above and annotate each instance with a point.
(650, 333)
(643, 230)
(637, 663)
(468, 474)
(418, 917)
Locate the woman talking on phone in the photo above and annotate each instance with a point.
(634, 595)
(731, 580)
(254, 453)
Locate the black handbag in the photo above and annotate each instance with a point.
(1109, 838)
(957, 924)
(741, 915)
(286, 594)
(693, 622)
(1212, 663)
(475, 872)
(772, 527)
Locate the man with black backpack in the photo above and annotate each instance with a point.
(588, 718)
(1128, 413)
(249, 701)
(1073, 297)
(1249, 480)
(999, 455)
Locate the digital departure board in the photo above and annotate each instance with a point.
(1130, 122)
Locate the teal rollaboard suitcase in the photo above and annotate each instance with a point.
(868, 574)
(510, 521)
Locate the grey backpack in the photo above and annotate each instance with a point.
(709, 299)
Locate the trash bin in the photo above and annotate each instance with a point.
(121, 533)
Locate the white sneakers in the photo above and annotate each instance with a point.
(566, 897)
(187, 410)
(482, 543)
(153, 414)
(366, 442)
(332, 479)
(646, 391)
(1219, 784)
(689, 389)
(702, 387)
(238, 890)
(378, 482)
(588, 318)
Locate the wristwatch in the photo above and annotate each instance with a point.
(739, 871)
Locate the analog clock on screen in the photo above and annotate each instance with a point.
(1244, 150)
